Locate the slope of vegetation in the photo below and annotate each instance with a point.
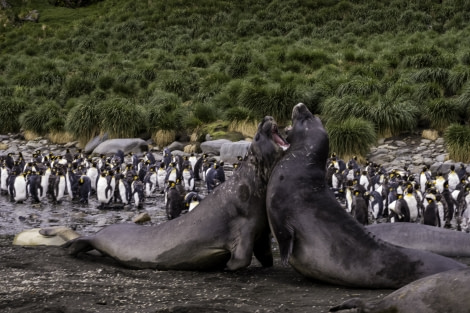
(133, 67)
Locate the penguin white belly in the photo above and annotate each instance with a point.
(364, 181)
(20, 189)
(193, 161)
(186, 179)
(3, 180)
(101, 194)
(172, 176)
(68, 186)
(161, 174)
(123, 192)
(413, 206)
(44, 185)
(391, 207)
(348, 200)
(453, 180)
(136, 199)
(60, 192)
(334, 182)
(92, 173)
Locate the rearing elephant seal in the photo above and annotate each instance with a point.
(224, 231)
(317, 237)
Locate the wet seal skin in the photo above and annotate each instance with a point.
(317, 237)
(222, 232)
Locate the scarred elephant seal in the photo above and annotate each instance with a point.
(317, 237)
(441, 292)
(227, 227)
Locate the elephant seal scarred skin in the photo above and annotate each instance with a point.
(441, 292)
(438, 240)
(317, 237)
(227, 227)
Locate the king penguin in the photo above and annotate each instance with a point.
(18, 188)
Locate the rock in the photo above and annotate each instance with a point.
(230, 151)
(111, 146)
(141, 218)
(176, 145)
(32, 144)
(213, 146)
(3, 146)
(71, 144)
(441, 157)
(95, 142)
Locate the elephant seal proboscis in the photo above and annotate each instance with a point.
(438, 240)
(224, 231)
(49, 236)
(317, 237)
(442, 292)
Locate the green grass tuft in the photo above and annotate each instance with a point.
(457, 139)
(351, 137)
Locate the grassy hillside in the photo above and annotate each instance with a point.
(369, 68)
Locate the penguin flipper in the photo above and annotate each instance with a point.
(108, 189)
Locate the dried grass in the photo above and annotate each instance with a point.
(246, 128)
(164, 137)
(430, 134)
(60, 137)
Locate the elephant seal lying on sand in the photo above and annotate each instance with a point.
(441, 292)
(317, 236)
(227, 227)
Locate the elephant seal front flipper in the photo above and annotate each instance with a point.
(318, 237)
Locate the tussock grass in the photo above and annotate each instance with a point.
(10, 109)
(182, 61)
(393, 117)
(441, 113)
(60, 137)
(163, 137)
(84, 121)
(246, 128)
(351, 137)
(121, 118)
(457, 139)
(43, 118)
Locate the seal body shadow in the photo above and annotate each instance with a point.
(224, 231)
(317, 237)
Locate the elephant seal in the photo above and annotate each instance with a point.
(316, 236)
(50, 236)
(228, 227)
(441, 292)
(438, 240)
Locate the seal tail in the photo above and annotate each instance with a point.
(354, 303)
